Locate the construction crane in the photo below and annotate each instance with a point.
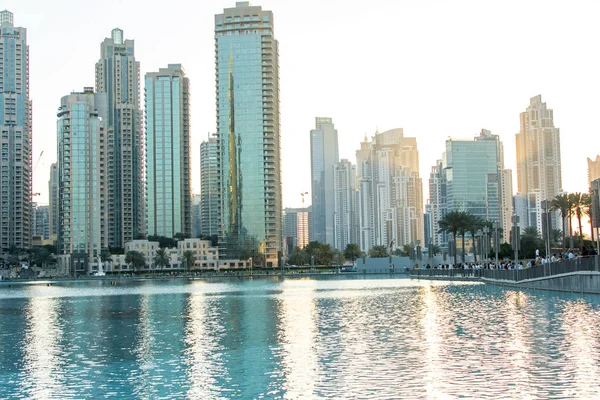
(303, 194)
(38, 161)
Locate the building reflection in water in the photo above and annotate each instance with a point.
(203, 354)
(42, 376)
(518, 348)
(144, 349)
(580, 326)
(297, 336)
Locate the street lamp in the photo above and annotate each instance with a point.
(546, 206)
(496, 241)
(486, 231)
(479, 242)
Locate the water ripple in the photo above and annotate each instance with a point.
(296, 339)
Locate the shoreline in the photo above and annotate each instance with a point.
(116, 278)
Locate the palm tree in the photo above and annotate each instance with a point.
(161, 259)
(474, 223)
(352, 252)
(586, 199)
(577, 206)
(378, 252)
(135, 259)
(188, 258)
(531, 231)
(452, 223)
(561, 203)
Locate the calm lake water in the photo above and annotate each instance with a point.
(348, 338)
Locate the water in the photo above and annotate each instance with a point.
(296, 338)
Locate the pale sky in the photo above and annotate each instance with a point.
(436, 68)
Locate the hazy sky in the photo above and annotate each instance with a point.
(436, 68)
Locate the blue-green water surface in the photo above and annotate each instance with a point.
(353, 338)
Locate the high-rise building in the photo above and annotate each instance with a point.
(40, 222)
(296, 227)
(118, 75)
(210, 187)
(15, 127)
(81, 125)
(168, 160)
(539, 173)
(345, 221)
(473, 176)
(437, 204)
(390, 198)
(324, 156)
(53, 210)
(506, 203)
(247, 84)
(196, 216)
(593, 170)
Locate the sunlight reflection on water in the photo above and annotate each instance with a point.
(296, 338)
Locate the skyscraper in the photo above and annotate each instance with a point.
(473, 176)
(210, 187)
(593, 170)
(390, 198)
(15, 127)
(247, 83)
(40, 222)
(295, 228)
(437, 203)
(196, 215)
(345, 220)
(539, 173)
(118, 75)
(324, 156)
(53, 210)
(168, 163)
(81, 122)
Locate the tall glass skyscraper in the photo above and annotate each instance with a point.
(473, 171)
(324, 156)
(15, 127)
(80, 128)
(118, 75)
(210, 187)
(247, 82)
(168, 163)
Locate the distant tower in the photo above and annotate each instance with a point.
(168, 163)
(247, 85)
(324, 155)
(344, 218)
(390, 191)
(539, 174)
(118, 75)
(15, 129)
(210, 188)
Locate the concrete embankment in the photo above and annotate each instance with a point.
(574, 282)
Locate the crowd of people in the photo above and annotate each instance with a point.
(510, 264)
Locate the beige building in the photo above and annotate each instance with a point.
(390, 191)
(593, 170)
(539, 174)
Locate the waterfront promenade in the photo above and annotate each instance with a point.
(572, 275)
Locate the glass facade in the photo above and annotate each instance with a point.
(168, 186)
(473, 178)
(247, 83)
(324, 156)
(15, 139)
(81, 122)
